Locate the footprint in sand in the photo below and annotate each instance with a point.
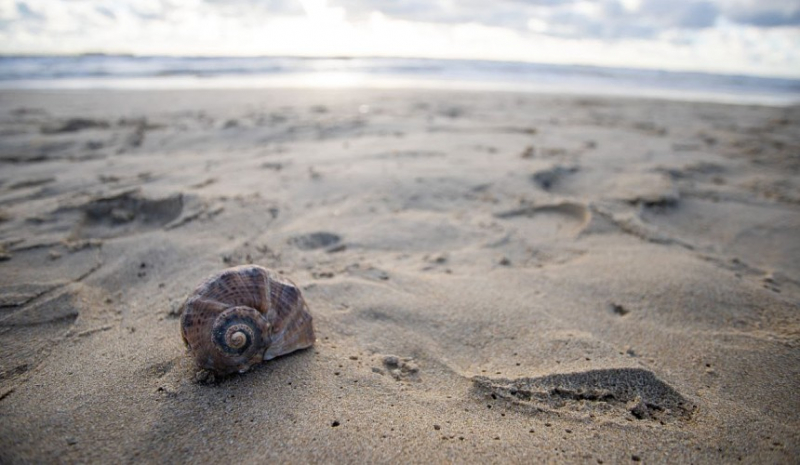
(612, 392)
(28, 333)
(40, 300)
(315, 240)
(16, 152)
(32, 272)
(550, 178)
(73, 125)
(33, 182)
(127, 213)
(544, 222)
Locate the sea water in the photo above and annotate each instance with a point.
(164, 72)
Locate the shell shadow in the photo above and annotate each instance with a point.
(199, 418)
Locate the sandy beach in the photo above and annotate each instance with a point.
(494, 277)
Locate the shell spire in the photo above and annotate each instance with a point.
(242, 316)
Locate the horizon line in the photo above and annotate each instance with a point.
(390, 57)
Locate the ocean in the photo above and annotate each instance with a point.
(96, 71)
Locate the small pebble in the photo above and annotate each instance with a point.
(391, 361)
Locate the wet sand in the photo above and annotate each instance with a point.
(494, 277)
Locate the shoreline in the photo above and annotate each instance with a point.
(355, 82)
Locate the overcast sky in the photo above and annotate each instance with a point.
(731, 36)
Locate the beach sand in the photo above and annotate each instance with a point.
(494, 277)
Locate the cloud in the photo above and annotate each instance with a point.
(25, 12)
(607, 19)
(751, 36)
(763, 13)
(501, 13)
(269, 7)
(579, 18)
(685, 15)
(601, 19)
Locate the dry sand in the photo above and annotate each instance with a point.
(494, 277)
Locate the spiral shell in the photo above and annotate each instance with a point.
(243, 315)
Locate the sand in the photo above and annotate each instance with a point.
(494, 277)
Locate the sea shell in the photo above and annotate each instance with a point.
(243, 315)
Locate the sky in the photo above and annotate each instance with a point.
(758, 37)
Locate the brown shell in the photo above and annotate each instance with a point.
(243, 315)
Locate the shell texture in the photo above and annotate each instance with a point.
(243, 315)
